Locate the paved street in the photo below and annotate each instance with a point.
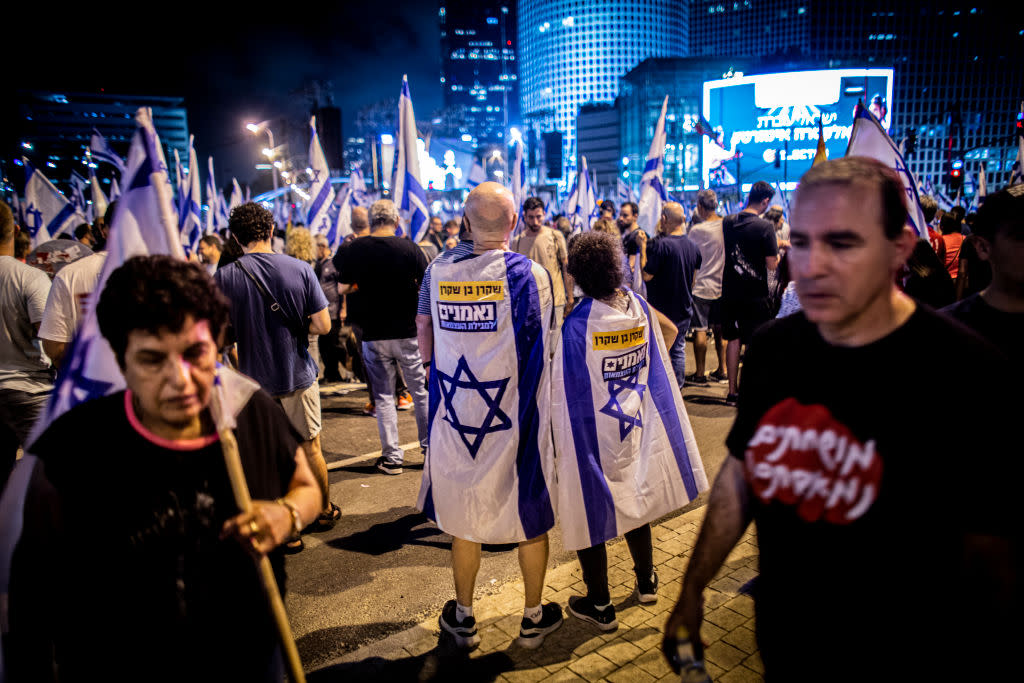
(376, 582)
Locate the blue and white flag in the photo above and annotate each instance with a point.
(320, 191)
(100, 150)
(581, 208)
(626, 451)
(624, 192)
(476, 175)
(223, 210)
(519, 187)
(360, 195)
(982, 187)
(144, 223)
(212, 197)
(407, 186)
(489, 472)
(869, 139)
(340, 217)
(190, 218)
(78, 184)
(99, 200)
(115, 189)
(237, 198)
(1017, 172)
(179, 183)
(652, 188)
(47, 212)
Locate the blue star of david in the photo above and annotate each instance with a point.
(84, 388)
(614, 409)
(316, 175)
(35, 218)
(495, 420)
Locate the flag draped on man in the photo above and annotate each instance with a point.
(581, 207)
(406, 187)
(320, 191)
(144, 223)
(489, 469)
(190, 221)
(652, 189)
(47, 211)
(626, 450)
(869, 139)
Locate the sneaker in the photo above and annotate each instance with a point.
(404, 402)
(584, 608)
(463, 632)
(718, 376)
(647, 591)
(388, 467)
(731, 399)
(370, 410)
(698, 380)
(532, 633)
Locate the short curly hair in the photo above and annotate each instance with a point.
(250, 223)
(157, 292)
(595, 262)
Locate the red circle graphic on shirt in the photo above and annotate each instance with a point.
(802, 456)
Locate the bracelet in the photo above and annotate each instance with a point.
(296, 520)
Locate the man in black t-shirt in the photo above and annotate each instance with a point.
(138, 544)
(997, 312)
(751, 251)
(387, 270)
(630, 236)
(669, 263)
(883, 538)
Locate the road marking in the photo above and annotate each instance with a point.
(355, 459)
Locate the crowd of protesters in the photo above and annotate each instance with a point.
(850, 485)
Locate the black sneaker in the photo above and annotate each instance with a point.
(697, 380)
(719, 377)
(463, 632)
(647, 591)
(731, 399)
(532, 633)
(388, 467)
(584, 608)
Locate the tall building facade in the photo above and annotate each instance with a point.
(958, 81)
(573, 52)
(479, 74)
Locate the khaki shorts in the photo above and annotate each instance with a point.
(302, 407)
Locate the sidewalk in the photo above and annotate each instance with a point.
(578, 651)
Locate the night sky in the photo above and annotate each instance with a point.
(230, 66)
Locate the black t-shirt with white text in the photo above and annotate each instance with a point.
(863, 492)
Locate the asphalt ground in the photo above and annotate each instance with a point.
(384, 567)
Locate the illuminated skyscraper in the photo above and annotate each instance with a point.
(573, 52)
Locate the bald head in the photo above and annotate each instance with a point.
(672, 217)
(360, 220)
(490, 211)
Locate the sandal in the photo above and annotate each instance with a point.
(327, 520)
(296, 546)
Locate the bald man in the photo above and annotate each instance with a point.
(669, 264)
(490, 458)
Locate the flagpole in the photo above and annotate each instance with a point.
(243, 499)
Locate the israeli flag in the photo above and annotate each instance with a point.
(356, 182)
(47, 211)
(223, 210)
(476, 175)
(1017, 172)
(320, 190)
(652, 188)
(626, 451)
(624, 192)
(179, 183)
(489, 472)
(237, 198)
(190, 218)
(869, 139)
(519, 187)
(212, 224)
(99, 200)
(78, 184)
(407, 189)
(144, 223)
(101, 151)
(581, 208)
(340, 218)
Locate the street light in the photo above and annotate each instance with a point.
(264, 127)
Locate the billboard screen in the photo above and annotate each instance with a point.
(767, 117)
